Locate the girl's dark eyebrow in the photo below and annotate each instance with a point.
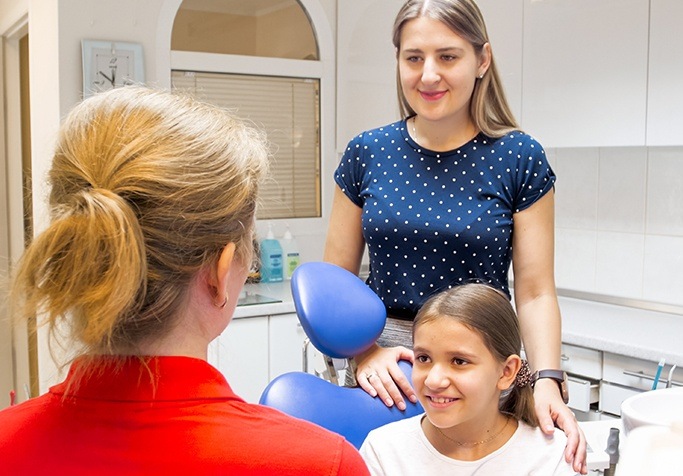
(460, 354)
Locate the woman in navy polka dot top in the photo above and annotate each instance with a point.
(452, 193)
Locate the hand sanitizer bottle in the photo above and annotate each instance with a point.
(271, 258)
(290, 253)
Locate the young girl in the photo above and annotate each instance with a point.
(476, 393)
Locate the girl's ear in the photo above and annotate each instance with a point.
(509, 373)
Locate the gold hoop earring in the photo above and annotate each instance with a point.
(222, 305)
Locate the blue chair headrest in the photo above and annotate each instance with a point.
(340, 314)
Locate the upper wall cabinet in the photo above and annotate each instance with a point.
(366, 67)
(585, 66)
(503, 24)
(665, 94)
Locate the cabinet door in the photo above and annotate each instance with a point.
(585, 72)
(581, 361)
(241, 354)
(286, 344)
(665, 95)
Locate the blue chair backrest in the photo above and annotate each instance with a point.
(342, 317)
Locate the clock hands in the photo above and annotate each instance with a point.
(111, 80)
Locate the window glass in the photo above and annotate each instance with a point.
(271, 28)
(287, 109)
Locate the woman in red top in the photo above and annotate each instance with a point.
(152, 201)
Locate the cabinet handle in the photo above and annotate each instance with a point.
(641, 374)
(564, 357)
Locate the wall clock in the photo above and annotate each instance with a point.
(111, 64)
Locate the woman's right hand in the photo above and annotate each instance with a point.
(378, 373)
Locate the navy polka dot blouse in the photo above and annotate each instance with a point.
(433, 220)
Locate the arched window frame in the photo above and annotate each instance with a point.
(322, 69)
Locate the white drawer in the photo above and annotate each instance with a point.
(636, 373)
(582, 393)
(611, 397)
(577, 360)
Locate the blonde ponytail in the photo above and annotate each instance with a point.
(147, 188)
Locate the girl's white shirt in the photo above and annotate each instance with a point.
(401, 448)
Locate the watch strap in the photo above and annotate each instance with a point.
(554, 374)
(560, 376)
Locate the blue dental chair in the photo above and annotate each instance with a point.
(342, 317)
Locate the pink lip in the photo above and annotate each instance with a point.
(432, 95)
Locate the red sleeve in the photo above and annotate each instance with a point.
(351, 462)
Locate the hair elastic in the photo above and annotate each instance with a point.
(524, 375)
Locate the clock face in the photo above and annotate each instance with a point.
(108, 65)
(111, 69)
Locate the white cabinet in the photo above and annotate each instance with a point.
(504, 22)
(624, 376)
(585, 65)
(366, 67)
(241, 355)
(286, 344)
(254, 350)
(665, 95)
(584, 370)
(577, 73)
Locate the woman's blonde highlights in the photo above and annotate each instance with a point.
(147, 187)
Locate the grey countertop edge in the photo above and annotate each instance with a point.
(632, 332)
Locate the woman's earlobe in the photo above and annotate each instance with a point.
(222, 271)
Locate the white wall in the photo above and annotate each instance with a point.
(619, 221)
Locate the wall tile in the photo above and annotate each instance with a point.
(575, 256)
(619, 264)
(665, 192)
(622, 189)
(662, 277)
(577, 188)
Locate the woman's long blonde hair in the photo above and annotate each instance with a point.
(489, 108)
(147, 188)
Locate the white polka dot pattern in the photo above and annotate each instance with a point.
(434, 220)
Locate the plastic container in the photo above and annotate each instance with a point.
(290, 253)
(271, 258)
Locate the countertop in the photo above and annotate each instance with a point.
(648, 335)
(280, 291)
(632, 332)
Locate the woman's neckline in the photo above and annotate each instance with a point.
(413, 134)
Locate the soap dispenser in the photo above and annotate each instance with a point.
(290, 253)
(271, 258)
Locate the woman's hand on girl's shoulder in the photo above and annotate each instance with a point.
(378, 373)
(552, 411)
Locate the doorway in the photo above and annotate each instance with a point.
(18, 363)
